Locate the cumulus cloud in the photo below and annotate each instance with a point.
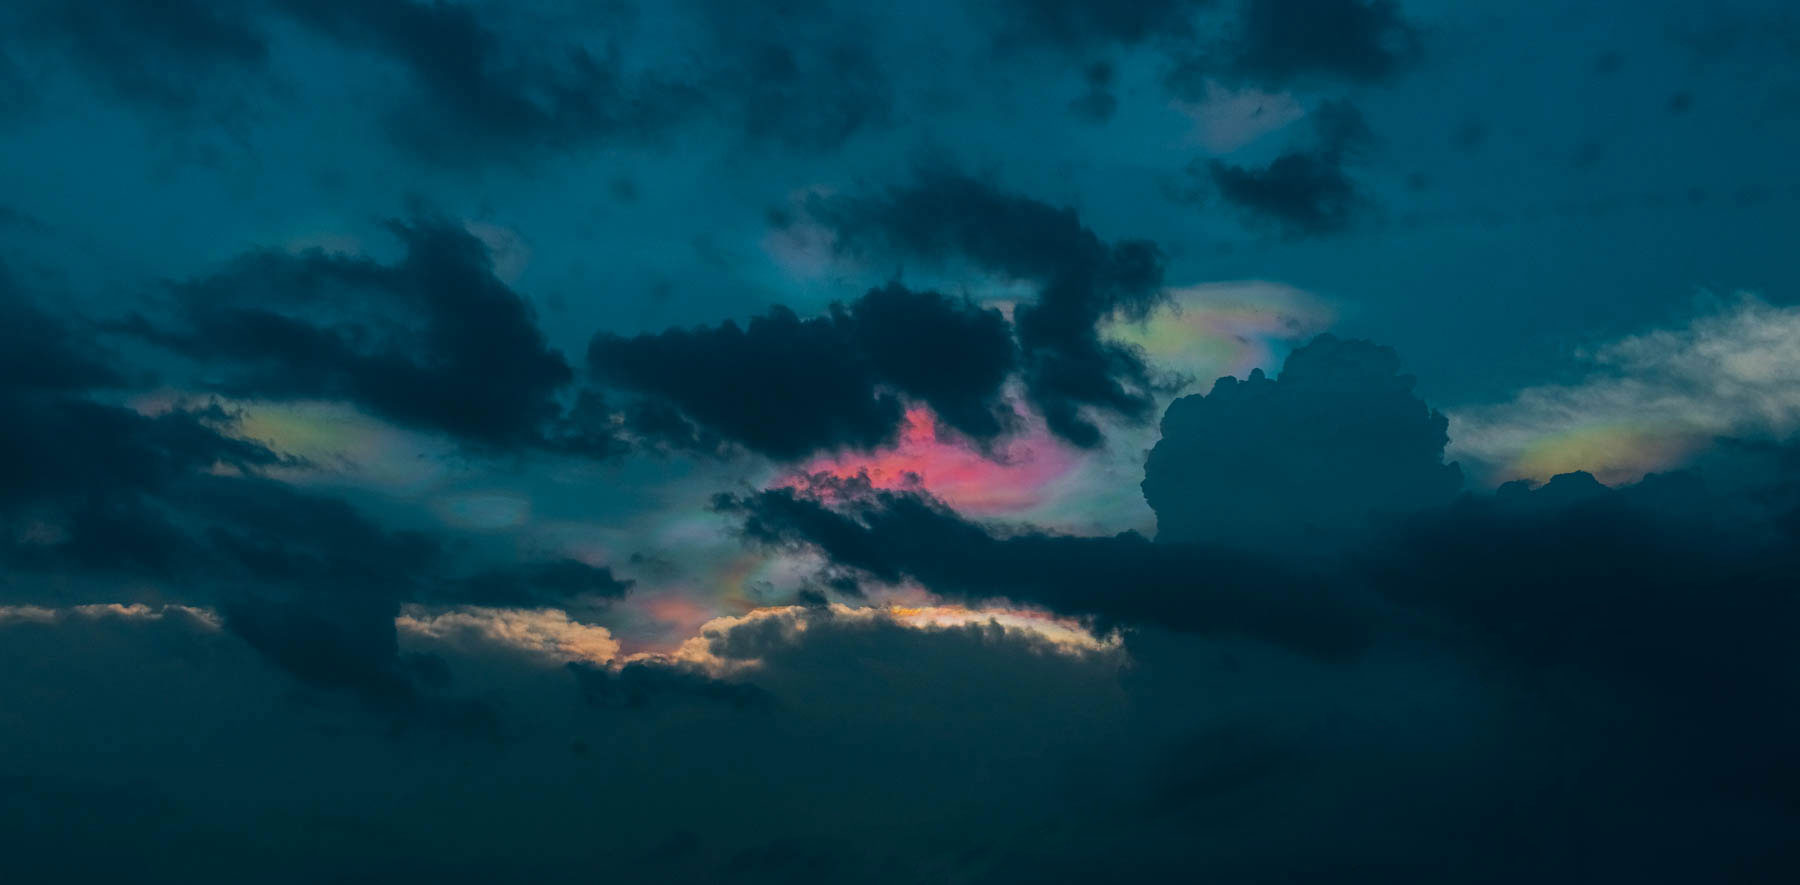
(785, 386)
(1648, 401)
(435, 341)
(1260, 462)
(954, 219)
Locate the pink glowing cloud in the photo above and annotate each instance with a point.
(1014, 478)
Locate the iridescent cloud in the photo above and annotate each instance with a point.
(1011, 480)
(1648, 401)
(1210, 330)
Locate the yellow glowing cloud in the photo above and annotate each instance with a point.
(791, 621)
(135, 611)
(547, 632)
(1217, 329)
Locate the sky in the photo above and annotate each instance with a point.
(812, 440)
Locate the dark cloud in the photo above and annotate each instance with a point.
(1098, 103)
(639, 685)
(1304, 457)
(1083, 24)
(39, 351)
(177, 56)
(565, 583)
(803, 74)
(434, 341)
(785, 386)
(1616, 692)
(893, 536)
(1278, 41)
(90, 491)
(950, 217)
(492, 95)
(1571, 679)
(1306, 191)
(836, 744)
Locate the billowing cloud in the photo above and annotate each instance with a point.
(1283, 40)
(785, 386)
(1337, 436)
(435, 341)
(951, 218)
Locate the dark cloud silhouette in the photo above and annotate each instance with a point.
(785, 387)
(892, 536)
(639, 685)
(90, 490)
(563, 583)
(1359, 40)
(1568, 679)
(1305, 191)
(434, 341)
(949, 217)
(1264, 462)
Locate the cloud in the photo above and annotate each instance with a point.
(434, 341)
(545, 632)
(91, 491)
(493, 95)
(1213, 329)
(1648, 401)
(563, 583)
(1228, 119)
(1306, 191)
(1301, 458)
(180, 56)
(1098, 103)
(39, 351)
(1559, 674)
(1016, 475)
(806, 75)
(1277, 41)
(947, 218)
(1124, 579)
(1090, 24)
(785, 386)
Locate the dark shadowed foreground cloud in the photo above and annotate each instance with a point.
(785, 387)
(950, 217)
(435, 341)
(1563, 682)
(426, 455)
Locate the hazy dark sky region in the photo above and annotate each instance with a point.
(1236, 441)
